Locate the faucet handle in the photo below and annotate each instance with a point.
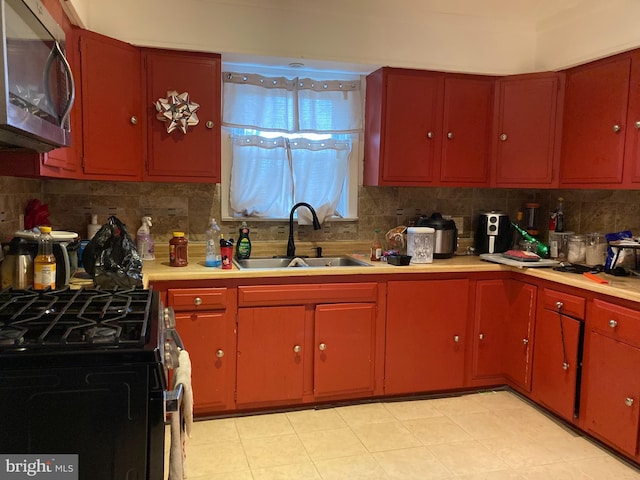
(318, 251)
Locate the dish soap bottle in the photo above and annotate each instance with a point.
(212, 254)
(144, 240)
(243, 249)
(376, 247)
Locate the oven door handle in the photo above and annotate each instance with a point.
(173, 398)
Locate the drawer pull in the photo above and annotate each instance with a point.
(197, 301)
(456, 338)
(525, 341)
(628, 402)
(565, 366)
(613, 323)
(322, 347)
(559, 305)
(297, 348)
(481, 336)
(220, 353)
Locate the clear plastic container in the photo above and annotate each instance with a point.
(577, 249)
(420, 244)
(559, 245)
(596, 249)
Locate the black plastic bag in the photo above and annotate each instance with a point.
(111, 257)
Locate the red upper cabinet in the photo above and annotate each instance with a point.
(466, 131)
(632, 137)
(113, 124)
(595, 123)
(193, 156)
(526, 137)
(403, 121)
(426, 128)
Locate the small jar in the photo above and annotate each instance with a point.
(559, 245)
(596, 249)
(577, 249)
(178, 250)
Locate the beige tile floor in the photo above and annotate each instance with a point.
(489, 435)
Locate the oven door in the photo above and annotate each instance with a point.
(102, 414)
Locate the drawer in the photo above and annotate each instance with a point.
(614, 321)
(189, 299)
(266, 295)
(572, 305)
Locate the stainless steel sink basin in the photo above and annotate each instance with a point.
(297, 262)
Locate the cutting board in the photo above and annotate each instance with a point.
(499, 258)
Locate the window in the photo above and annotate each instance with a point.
(289, 140)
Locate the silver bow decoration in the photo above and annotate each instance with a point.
(177, 111)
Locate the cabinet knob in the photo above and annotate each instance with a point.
(637, 124)
(297, 348)
(628, 401)
(197, 301)
(209, 124)
(565, 366)
(322, 346)
(429, 134)
(450, 135)
(134, 120)
(559, 305)
(525, 341)
(503, 137)
(220, 353)
(616, 128)
(481, 336)
(613, 323)
(456, 338)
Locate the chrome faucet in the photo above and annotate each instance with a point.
(291, 247)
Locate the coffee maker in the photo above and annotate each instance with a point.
(493, 234)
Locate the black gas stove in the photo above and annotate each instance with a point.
(84, 372)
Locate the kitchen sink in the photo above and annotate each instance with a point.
(298, 262)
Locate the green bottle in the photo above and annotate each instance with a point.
(541, 248)
(243, 248)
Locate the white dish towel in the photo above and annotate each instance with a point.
(182, 420)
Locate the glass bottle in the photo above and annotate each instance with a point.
(376, 247)
(44, 265)
(178, 250)
(560, 216)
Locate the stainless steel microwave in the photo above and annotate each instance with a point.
(36, 87)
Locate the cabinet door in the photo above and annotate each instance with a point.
(491, 317)
(518, 344)
(193, 156)
(344, 349)
(526, 140)
(612, 393)
(556, 362)
(413, 123)
(270, 363)
(112, 118)
(632, 145)
(426, 335)
(466, 131)
(595, 122)
(210, 340)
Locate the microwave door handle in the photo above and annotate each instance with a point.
(56, 51)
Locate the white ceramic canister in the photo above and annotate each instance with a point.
(420, 244)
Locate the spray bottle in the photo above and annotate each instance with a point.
(144, 240)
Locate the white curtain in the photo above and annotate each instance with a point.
(269, 176)
(270, 173)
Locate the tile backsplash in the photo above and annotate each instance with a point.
(187, 207)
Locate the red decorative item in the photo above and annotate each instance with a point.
(36, 214)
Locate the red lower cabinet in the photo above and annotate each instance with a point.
(557, 354)
(344, 349)
(611, 394)
(271, 346)
(426, 335)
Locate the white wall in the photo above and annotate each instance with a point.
(493, 36)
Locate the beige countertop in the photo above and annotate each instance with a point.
(159, 270)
